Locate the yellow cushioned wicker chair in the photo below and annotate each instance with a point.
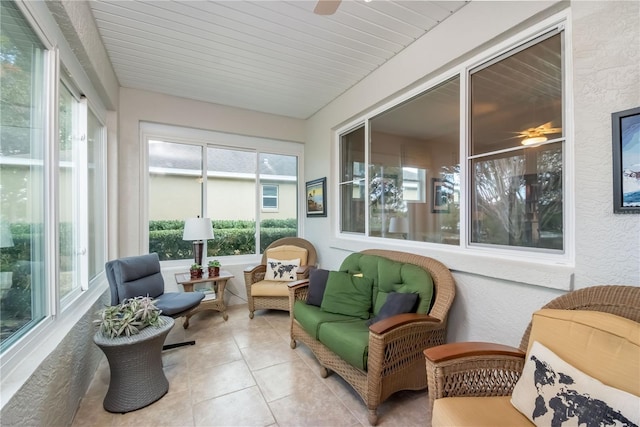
(274, 294)
(472, 383)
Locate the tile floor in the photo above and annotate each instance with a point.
(243, 373)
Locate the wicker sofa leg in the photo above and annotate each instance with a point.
(373, 416)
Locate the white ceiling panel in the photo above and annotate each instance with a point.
(271, 56)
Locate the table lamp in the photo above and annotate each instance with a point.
(197, 229)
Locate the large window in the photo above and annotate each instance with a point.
(401, 171)
(53, 237)
(516, 147)
(250, 195)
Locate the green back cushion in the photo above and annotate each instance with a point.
(347, 294)
(391, 276)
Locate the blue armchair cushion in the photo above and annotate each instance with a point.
(173, 303)
(135, 276)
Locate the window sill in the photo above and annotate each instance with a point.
(514, 268)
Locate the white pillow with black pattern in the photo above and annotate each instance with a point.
(551, 392)
(281, 270)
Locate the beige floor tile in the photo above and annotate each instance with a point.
(268, 354)
(242, 408)
(287, 378)
(243, 373)
(219, 380)
(170, 410)
(314, 407)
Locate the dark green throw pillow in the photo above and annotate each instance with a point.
(347, 294)
(396, 303)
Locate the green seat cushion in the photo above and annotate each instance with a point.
(349, 340)
(347, 294)
(311, 317)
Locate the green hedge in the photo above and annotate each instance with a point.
(231, 237)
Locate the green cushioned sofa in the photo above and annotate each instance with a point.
(383, 357)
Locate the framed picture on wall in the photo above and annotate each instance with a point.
(441, 195)
(625, 127)
(316, 193)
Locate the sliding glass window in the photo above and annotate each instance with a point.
(513, 145)
(228, 185)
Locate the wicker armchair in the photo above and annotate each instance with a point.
(475, 369)
(395, 361)
(274, 295)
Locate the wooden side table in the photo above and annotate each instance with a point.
(213, 300)
(137, 379)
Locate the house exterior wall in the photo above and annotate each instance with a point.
(495, 297)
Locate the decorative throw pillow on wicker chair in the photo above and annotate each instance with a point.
(281, 270)
(552, 392)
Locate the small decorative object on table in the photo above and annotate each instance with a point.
(196, 271)
(214, 268)
(131, 336)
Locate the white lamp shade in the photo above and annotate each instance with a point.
(197, 229)
(398, 225)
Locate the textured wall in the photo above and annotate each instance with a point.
(495, 297)
(606, 55)
(52, 394)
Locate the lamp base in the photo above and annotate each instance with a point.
(197, 251)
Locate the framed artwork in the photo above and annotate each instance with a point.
(316, 192)
(441, 195)
(626, 161)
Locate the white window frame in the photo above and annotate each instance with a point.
(20, 360)
(276, 197)
(553, 270)
(206, 138)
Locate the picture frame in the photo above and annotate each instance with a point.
(316, 195)
(625, 126)
(441, 195)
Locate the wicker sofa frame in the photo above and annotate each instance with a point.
(256, 273)
(477, 369)
(395, 361)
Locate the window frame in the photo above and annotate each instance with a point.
(20, 359)
(209, 138)
(275, 208)
(559, 264)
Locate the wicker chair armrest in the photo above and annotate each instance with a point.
(303, 271)
(472, 369)
(393, 322)
(255, 269)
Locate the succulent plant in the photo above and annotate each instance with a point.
(214, 263)
(128, 317)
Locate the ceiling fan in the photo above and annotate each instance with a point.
(326, 7)
(538, 134)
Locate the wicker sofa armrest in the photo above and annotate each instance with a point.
(472, 369)
(255, 269)
(390, 323)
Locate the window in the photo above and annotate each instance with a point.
(247, 193)
(269, 197)
(23, 210)
(400, 170)
(516, 148)
(45, 228)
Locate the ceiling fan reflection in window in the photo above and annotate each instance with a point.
(538, 134)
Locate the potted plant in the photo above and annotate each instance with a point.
(196, 271)
(214, 268)
(129, 317)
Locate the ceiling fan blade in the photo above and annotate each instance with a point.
(326, 7)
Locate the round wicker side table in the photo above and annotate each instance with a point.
(137, 378)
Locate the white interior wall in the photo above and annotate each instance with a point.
(495, 298)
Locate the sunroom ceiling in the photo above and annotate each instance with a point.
(271, 56)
